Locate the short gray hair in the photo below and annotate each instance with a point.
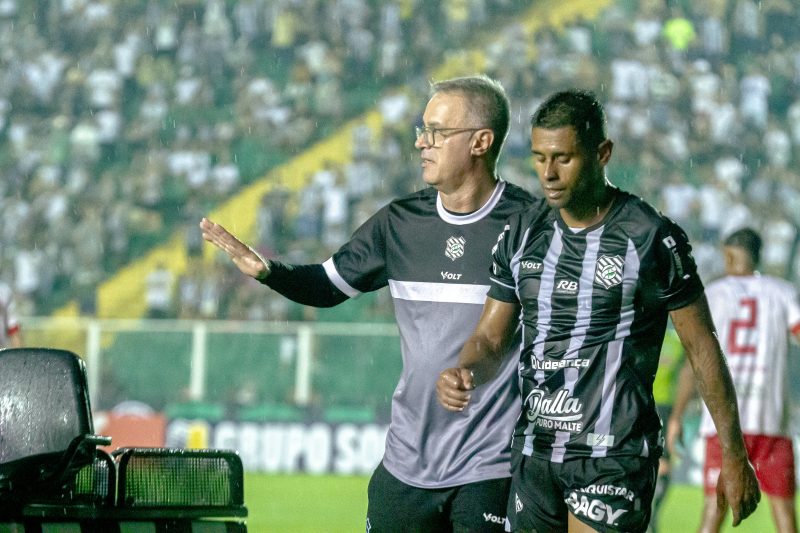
(488, 104)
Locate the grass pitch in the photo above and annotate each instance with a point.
(336, 504)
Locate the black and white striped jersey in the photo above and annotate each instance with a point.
(595, 307)
(437, 266)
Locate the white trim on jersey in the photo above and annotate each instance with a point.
(548, 283)
(602, 436)
(578, 335)
(419, 291)
(506, 285)
(514, 264)
(337, 280)
(460, 220)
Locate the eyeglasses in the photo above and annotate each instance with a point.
(428, 133)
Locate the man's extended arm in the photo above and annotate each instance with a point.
(481, 355)
(737, 485)
(304, 284)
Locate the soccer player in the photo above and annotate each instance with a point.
(433, 249)
(755, 316)
(10, 329)
(593, 281)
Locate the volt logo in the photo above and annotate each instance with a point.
(494, 519)
(530, 266)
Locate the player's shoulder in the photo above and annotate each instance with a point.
(777, 285)
(423, 200)
(515, 194)
(765, 284)
(640, 217)
(718, 285)
(640, 210)
(517, 202)
(535, 217)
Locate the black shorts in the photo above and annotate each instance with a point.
(396, 506)
(607, 493)
(664, 411)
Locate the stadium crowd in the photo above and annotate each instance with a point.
(123, 121)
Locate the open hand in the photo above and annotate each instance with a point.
(245, 259)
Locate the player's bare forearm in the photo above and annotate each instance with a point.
(484, 351)
(244, 257)
(737, 485)
(695, 328)
(480, 356)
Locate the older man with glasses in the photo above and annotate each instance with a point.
(433, 250)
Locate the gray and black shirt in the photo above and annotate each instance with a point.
(437, 266)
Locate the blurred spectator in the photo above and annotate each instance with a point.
(151, 111)
(679, 200)
(754, 89)
(747, 27)
(159, 292)
(11, 332)
(680, 34)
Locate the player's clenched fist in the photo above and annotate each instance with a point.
(453, 388)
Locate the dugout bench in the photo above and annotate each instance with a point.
(55, 478)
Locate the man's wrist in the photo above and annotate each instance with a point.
(263, 274)
(474, 381)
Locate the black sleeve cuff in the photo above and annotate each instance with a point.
(304, 284)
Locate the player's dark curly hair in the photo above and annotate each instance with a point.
(748, 239)
(489, 105)
(577, 108)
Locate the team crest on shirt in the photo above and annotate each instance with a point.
(454, 247)
(608, 272)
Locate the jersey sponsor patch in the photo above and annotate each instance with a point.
(567, 286)
(559, 412)
(454, 247)
(558, 364)
(493, 518)
(670, 243)
(600, 439)
(608, 272)
(609, 490)
(594, 510)
(530, 267)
